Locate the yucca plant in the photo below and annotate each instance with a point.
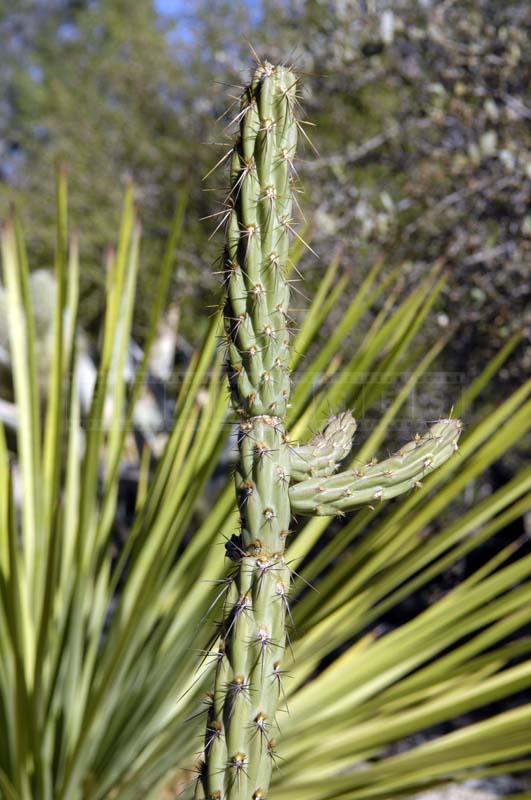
(106, 657)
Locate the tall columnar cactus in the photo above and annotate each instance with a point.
(274, 478)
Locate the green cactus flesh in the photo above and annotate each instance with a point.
(321, 456)
(378, 481)
(275, 477)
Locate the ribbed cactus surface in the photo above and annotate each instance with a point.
(240, 743)
(274, 477)
(381, 480)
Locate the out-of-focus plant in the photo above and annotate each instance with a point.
(422, 126)
(102, 687)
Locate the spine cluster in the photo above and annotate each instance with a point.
(274, 478)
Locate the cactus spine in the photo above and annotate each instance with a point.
(274, 478)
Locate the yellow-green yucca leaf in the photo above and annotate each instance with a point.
(104, 658)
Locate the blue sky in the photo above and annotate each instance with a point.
(171, 7)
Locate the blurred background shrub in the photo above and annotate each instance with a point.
(421, 122)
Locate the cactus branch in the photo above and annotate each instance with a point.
(378, 481)
(321, 456)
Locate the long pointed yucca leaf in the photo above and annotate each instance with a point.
(22, 339)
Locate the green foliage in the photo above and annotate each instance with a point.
(102, 691)
(93, 85)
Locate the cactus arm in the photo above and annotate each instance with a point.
(379, 481)
(321, 456)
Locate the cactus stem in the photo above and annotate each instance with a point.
(288, 223)
(223, 343)
(277, 681)
(274, 477)
(237, 764)
(257, 292)
(238, 687)
(214, 733)
(260, 727)
(272, 753)
(234, 193)
(241, 114)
